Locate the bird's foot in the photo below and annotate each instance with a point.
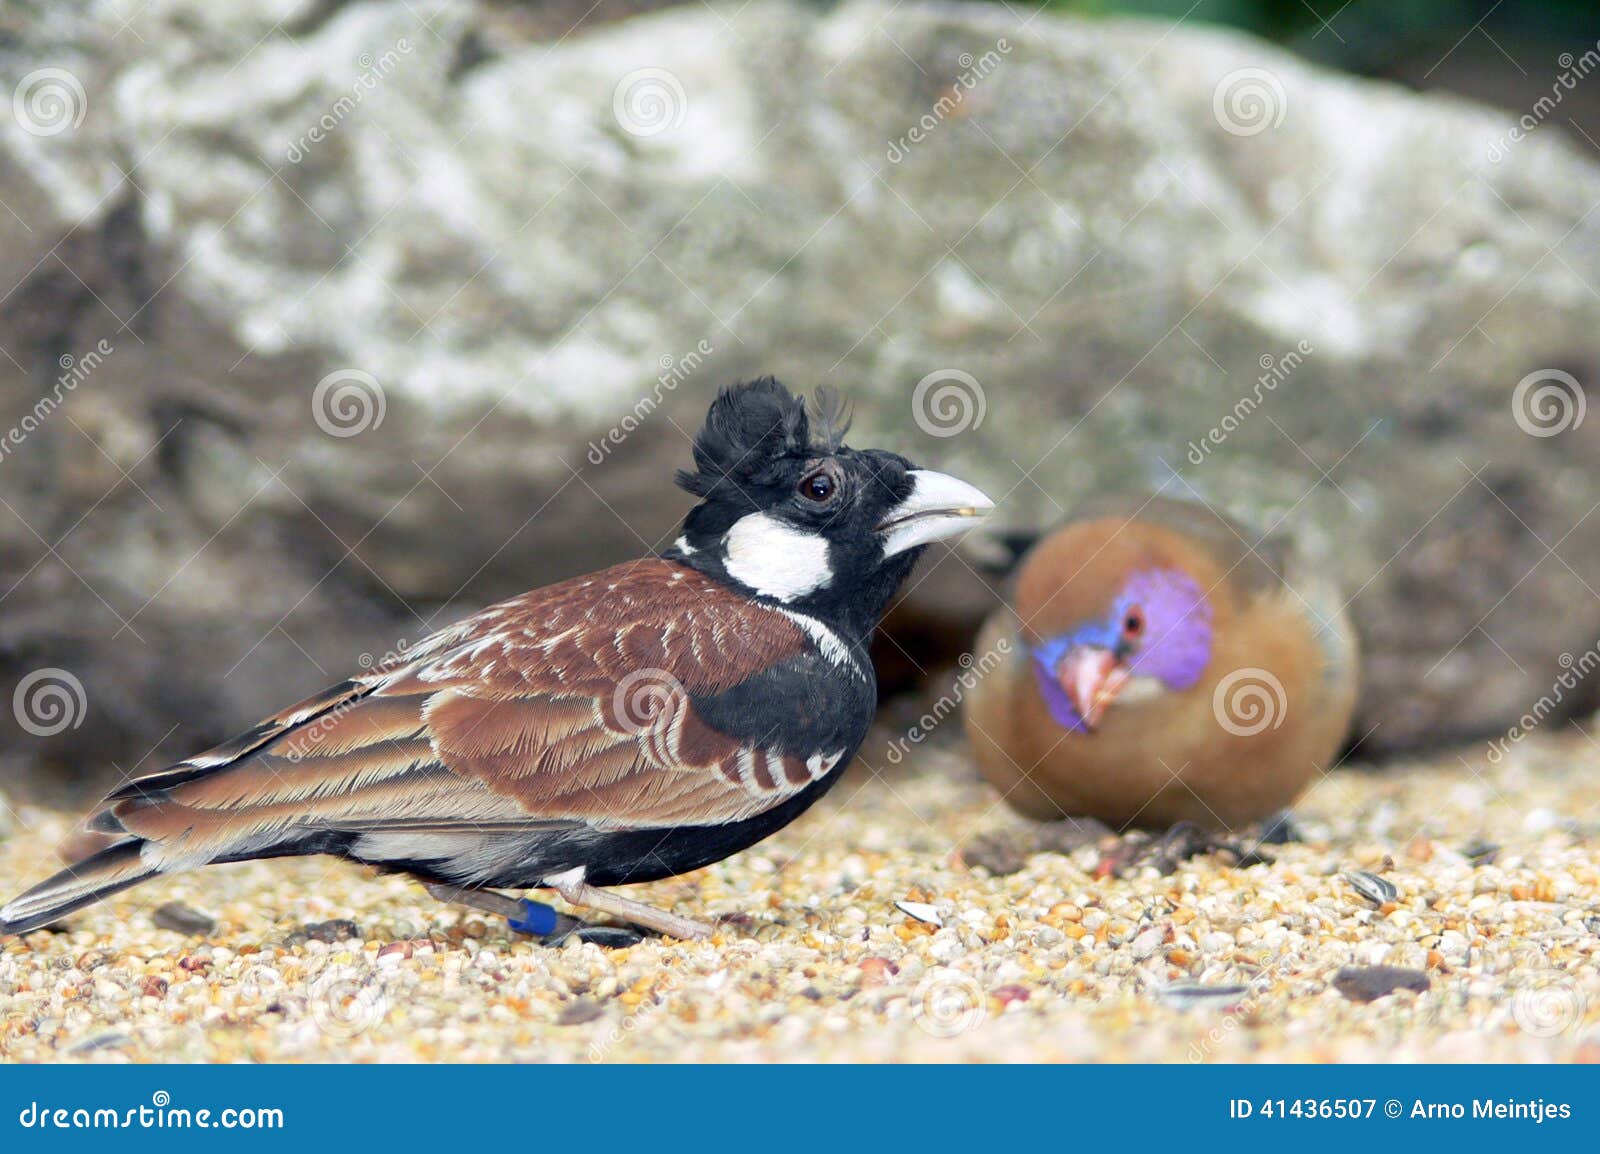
(535, 919)
(575, 891)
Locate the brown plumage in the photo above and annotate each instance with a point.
(624, 726)
(1163, 665)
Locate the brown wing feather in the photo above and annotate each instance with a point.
(537, 711)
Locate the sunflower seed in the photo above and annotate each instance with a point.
(922, 911)
(1195, 996)
(1379, 891)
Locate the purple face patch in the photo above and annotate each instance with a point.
(1173, 642)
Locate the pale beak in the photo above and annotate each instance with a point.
(1092, 677)
(939, 506)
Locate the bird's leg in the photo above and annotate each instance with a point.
(571, 886)
(522, 915)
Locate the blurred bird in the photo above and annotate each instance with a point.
(1163, 667)
(621, 727)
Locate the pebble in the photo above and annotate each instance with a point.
(179, 918)
(327, 933)
(812, 961)
(1369, 983)
(1000, 853)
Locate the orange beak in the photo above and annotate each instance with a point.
(1092, 677)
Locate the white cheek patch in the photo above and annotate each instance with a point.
(1140, 690)
(774, 559)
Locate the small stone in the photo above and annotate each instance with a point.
(180, 919)
(581, 1011)
(1369, 983)
(394, 953)
(329, 932)
(876, 971)
(998, 853)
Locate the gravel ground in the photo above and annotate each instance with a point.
(1496, 872)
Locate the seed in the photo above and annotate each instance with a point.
(1379, 891)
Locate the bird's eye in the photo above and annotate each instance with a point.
(818, 486)
(1133, 623)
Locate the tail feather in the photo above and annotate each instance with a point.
(100, 875)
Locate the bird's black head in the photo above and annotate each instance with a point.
(791, 514)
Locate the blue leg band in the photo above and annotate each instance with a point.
(537, 919)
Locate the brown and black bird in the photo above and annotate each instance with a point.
(620, 727)
(1165, 665)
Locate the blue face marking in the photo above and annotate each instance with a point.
(1172, 646)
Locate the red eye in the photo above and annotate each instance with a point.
(1133, 623)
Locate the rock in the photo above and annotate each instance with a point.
(328, 322)
(579, 1012)
(997, 852)
(181, 919)
(1369, 983)
(336, 930)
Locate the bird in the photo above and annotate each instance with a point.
(620, 727)
(1156, 664)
